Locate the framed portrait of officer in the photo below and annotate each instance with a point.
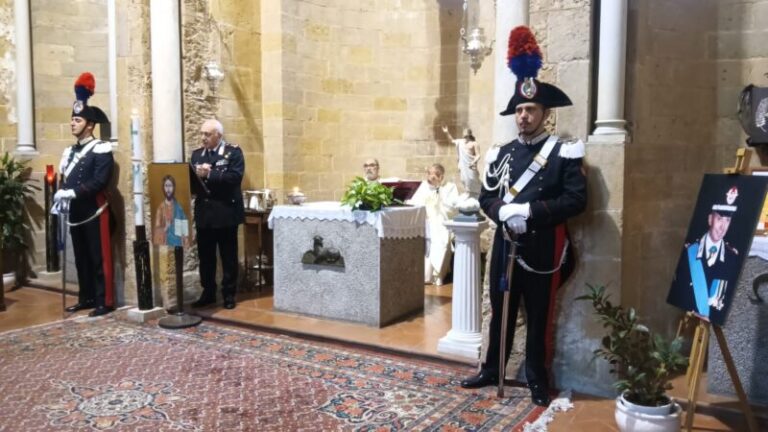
(170, 197)
(719, 237)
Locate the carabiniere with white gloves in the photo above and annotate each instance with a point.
(531, 187)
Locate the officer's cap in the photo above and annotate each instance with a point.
(726, 207)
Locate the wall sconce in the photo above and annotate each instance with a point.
(474, 45)
(214, 75)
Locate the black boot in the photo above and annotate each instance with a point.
(483, 379)
(539, 394)
(204, 300)
(100, 310)
(229, 302)
(87, 304)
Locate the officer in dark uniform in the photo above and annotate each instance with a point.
(220, 166)
(87, 169)
(531, 187)
(708, 265)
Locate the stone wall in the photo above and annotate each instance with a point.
(352, 80)
(67, 39)
(7, 78)
(229, 34)
(672, 106)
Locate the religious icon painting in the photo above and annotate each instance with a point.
(718, 240)
(169, 197)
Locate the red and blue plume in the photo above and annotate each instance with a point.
(523, 55)
(85, 86)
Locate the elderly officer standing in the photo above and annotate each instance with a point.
(87, 168)
(220, 166)
(532, 186)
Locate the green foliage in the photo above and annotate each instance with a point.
(364, 195)
(14, 190)
(644, 361)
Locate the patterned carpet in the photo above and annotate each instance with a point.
(106, 374)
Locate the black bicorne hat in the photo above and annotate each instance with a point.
(84, 88)
(524, 59)
(534, 90)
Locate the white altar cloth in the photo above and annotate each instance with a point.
(390, 222)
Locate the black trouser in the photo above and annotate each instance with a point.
(86, 243)
(208, 239)
(535, 291)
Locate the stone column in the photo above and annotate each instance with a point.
(611, 68)
(112, 65)
(465, 338)
(509, 14)
(167, 126)
(25, 143)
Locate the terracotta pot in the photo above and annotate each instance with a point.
(631, 417)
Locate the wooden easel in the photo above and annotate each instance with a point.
(696, 366)
(701, 337)
(743, 157)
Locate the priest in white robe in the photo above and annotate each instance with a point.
(440, 199)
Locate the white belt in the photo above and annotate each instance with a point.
(539, 162)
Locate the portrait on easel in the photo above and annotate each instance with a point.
(169, 197)
(719, 237)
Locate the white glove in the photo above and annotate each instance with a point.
(63, 194)
(508, 210)
(517, 224)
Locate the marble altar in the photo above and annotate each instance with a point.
(382, 252)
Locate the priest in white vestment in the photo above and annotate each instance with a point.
(440, 199)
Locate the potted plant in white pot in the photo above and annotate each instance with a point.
(14, 191)
(644, 362)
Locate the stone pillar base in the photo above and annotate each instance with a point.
(461, 344)
(141, 316)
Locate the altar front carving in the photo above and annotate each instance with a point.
(381, 279)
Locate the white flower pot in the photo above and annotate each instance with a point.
(638, 418)
(9, 281)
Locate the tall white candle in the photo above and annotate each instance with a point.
(138, 174)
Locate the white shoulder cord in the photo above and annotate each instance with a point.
(501, 173)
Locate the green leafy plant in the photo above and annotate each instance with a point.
(644, 361)
(14, 190)
(364, 195)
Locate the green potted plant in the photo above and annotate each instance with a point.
(364, 195)
(14, 190)
(644, 362)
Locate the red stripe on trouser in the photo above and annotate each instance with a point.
(549, 334)
(106, 252)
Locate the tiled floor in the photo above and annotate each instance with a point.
(418, 334)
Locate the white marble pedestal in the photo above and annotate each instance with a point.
(465, 338)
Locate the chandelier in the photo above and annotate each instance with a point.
(474, 44)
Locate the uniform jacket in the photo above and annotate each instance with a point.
(556, 193)
(89, 178)
(223, 206)
(724, 268)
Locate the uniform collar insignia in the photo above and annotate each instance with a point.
(535, 140)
